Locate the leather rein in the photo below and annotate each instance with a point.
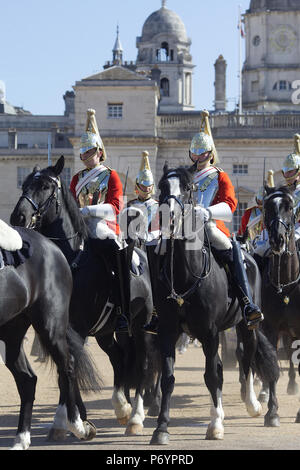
(206, 257)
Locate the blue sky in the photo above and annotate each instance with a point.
(46, 46)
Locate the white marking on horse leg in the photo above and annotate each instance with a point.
(77, 427)
(135, 424)
(22, 441)
(120, 404)
(253, 406)
(215, 428)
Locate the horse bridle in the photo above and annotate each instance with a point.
(41, 209)
(288, 231)
(180, 298)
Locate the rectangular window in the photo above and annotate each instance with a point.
(238, 214)
(282, 85)
(255, 86)
(22, 174)
(115, 110)
(240, 169)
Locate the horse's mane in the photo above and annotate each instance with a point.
(183, 172)
(73, 211)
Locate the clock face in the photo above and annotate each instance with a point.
(283, 38)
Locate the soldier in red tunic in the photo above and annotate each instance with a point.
(252, 217)
(215, 203)
(99, 193)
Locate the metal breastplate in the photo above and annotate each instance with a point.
(151, 205)
(207, 189)
(95, 191)
(255, 223)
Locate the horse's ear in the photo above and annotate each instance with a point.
(59, 166)
(268, 189)
(36, 168)
(166, 167)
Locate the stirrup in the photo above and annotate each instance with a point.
(254, 317)
(151, 327)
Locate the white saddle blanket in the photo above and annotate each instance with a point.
(10, 239)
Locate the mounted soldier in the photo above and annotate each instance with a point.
(98, 191)
(251, 223)
(291, 173)
(148, 232)
(216, 201)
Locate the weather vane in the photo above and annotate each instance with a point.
(163, 3)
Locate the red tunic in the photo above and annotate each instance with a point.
(244, 221)
(114, 196)
(226, 194)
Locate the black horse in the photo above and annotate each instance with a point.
(281, 275)
(48, 205)
(193, 295)
(36, 290)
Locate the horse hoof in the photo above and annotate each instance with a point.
(214, 434)
(272, 422)
(254, 411)
(153, 410)
(90, 430)
(57, 435)
(134, 430)
(292, 389)
(160, 438)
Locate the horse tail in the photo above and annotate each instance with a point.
(266, 362)
(86, 372)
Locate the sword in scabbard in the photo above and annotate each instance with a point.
(263, 201)
(125, 184)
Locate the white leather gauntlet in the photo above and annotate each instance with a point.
(101, 211)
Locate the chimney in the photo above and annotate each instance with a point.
(220, 84)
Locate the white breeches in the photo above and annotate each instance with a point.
(217, 238)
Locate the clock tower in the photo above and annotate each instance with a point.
(272, 61)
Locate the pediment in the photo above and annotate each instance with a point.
(116, 72)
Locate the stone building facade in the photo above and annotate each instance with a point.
(147, 104)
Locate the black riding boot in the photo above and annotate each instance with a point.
(233, 258)
(122, 272)
(151, 327)
(117, 261)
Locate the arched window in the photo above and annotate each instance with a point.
(165, 87)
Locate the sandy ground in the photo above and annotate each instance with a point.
(190, 412)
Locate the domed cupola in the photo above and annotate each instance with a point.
(165, 47)
(166, 22)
